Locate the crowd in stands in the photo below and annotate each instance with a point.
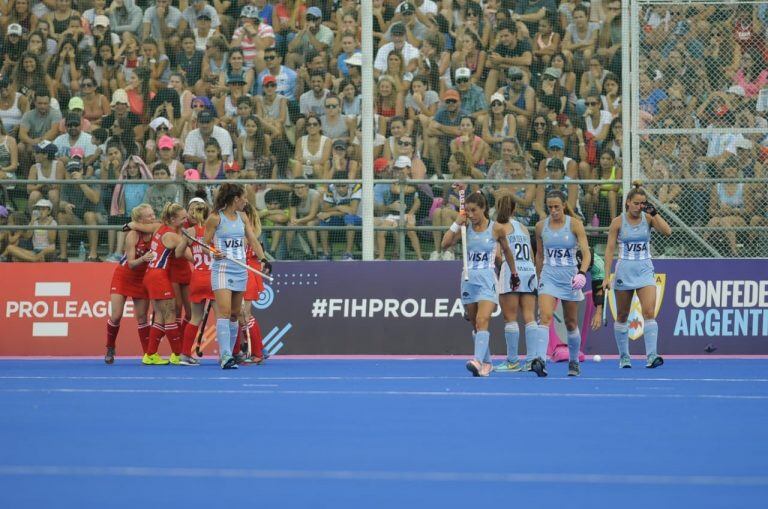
(164, 95)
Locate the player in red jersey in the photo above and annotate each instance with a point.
(248, 324)
(200, 282)
(166, 242)
(127, 281)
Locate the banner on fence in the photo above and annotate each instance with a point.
(406, 308)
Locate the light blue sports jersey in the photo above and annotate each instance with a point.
(520, 244)
(230, 237)
(559, 245)
(481, 248)
(634, 240)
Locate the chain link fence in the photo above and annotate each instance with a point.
(700, 122)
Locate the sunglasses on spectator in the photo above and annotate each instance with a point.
(462, 80)
(200, 106)
(497, 103)
(540, 124)
(270, 85)
(332, 106)
(470, 14)
(516, 78)
(404, 143)
(88, 84)
(269, 58)
(592, 103)
(313, 124)
(549, 78)
(162, 128)
(450, 101)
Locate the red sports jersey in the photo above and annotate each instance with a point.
(129, 281)
(255, 282)
(162, 253)
(200, 283)
(157, 279)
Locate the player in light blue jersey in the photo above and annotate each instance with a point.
(230, 228)
(479, 293)
(634, 272)
(560, 277)
(524, 298)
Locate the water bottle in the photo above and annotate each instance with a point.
(82, 251)
(595, 223)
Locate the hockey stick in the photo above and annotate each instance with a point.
(201, 329)
(464, 270)
(248, 352)
(213, 250)
(605, 307)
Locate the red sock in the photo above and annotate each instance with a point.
(144, 335)
(183, 328)
(256, 338)
(172, 331)
(156, 333)
(190, 333)
(238, 342)
(112, 330)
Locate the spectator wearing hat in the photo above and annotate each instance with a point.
(272, 107)
(159, 127)
(314, 36)
(340, 207)
(253, 36)
(497, 124)
(231, 170)
(161, 22)
(74, 137)
(341, 162)
(125, 17)
(415, 23)
(11, 48)
(195, 142)
(80, 204)
(512, 51)
(520, 97)
(46, 168)
(196, 8)
(99, 34)
(285, 77)
(121, 117)
(556, 150)
(471, 95)
(203, 31)
(167, 155)
(405, 211)
(37, 125)
(409, 52)
(226, 105)
(75, 105)
(43, 241)
(442, 128)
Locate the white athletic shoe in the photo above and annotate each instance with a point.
(448, 256)
(434, 255)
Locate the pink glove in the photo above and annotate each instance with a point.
(579, 281)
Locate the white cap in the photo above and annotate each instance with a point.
(403, 162)
(498, 97)
(101, 21)
(15, 29)
(44, 203)
(160, 121)
(119, 96)
(737, 90)
(463, 72)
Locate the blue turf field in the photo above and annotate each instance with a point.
(391, 433)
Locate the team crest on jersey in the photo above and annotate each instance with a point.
(635, 321)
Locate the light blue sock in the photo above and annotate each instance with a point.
(512, 336)
(531, 329)
(542, 341)
(574, 342)
(650, 336)
(234, 327)
(222, 337)
(621, 333)
(482, 338)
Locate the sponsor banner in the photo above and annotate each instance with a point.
(406, 308)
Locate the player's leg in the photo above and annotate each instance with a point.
(165, 314)
(620, 327)
(509, 305)
(547, 305)
(117, 303)
(647, 296)
(483, 336)
(234, 319)
(223, 312)
(190, 333)
(570, 315)
(527, 306)
(140, 309)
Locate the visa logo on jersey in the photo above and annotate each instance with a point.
(232, 243)
(478, 257)
(637, 247)
(558, 253)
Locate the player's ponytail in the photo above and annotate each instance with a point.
(169, 212)
(253, 216)
(637, 189)
(226, 195)
(136, 211)
(199, 211)
(505, 207)
(478, 198)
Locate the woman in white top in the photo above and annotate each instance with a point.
(313, 151)
(12, 106)
(43, 241)
(46, 168)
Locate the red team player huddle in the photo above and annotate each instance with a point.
(156, 267)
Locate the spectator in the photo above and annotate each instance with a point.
(471, 95)
(727, 206)
(520, 97)
(74, 137)
(404, 211)
(43, 241)
(194, 144)
(313, 36)
(46, 168)
(125, 16)
(511, 52)
(304, 207)
(80, 204)
(580, 39)
(470, 144)
(125, 197)
(442, 128)
(313, 151)
(285, 77)
(410, 53)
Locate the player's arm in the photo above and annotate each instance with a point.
(210, 230)
(453, 234)
(539, 259)
(130, 251)
(656, 221)
(142, 227)
(610, 247)
(501, 238)
(181, 243)
(577, 227)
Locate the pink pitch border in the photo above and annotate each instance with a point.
(393, 357)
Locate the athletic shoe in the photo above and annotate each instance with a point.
(574, 369)
(110, 357)
(526, 366)
(625, 361)
(448, 256)
(154, 360)
(175, 359)
(654, 362)
(241, 358)
(228, 362)
(507, 367)
(348, 257)
(539, 367)
(325, 257)
(188, 361)
(434, 255)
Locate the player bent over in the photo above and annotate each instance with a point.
(634, 272)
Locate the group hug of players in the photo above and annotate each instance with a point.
(558, 272)
(182, 263)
